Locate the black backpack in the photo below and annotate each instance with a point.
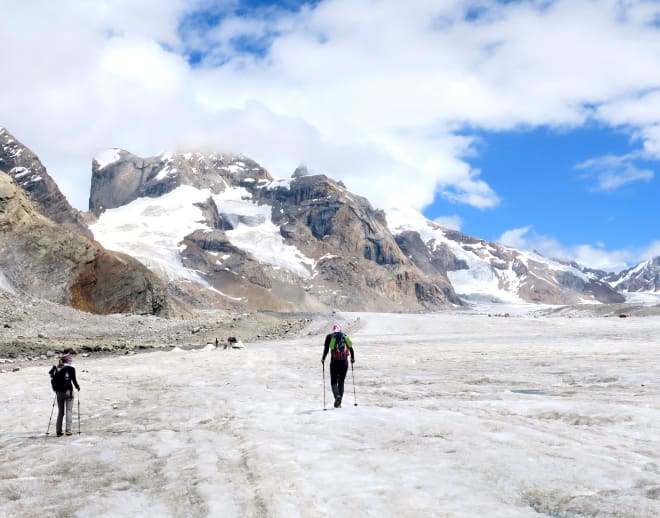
(61, 380)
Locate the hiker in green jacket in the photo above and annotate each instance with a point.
(339, 346)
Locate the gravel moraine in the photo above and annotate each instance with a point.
(37, 330)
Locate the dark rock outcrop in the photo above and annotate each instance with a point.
(126, 177)
(45, 259)
(357, 263)
(359, 260)
(26, 169)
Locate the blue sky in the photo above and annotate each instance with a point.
(531, 122)
(541, 178)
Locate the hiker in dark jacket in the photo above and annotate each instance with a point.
(63, 380)
(339, 346)
(53, 370)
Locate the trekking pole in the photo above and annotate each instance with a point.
(51, 414)
(324, 386)
(78, 412)
(354, 396)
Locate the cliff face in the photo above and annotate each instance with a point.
(26, 169)
(357, 255)
(45, 259)
(119, 177)
(484, 271)
(292, 245)
(217, 231)
(645, 277)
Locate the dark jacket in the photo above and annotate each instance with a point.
(63, 377)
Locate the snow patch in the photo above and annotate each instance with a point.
(165, 172)
(235, 168)
(19, 172)
(152, 229)
(5, 284)
(280, 184)
(642, 297)
(107, 157)
(262, 239)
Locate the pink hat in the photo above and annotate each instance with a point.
(336, 328)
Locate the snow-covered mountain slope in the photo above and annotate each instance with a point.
(223, 232)
(485, 271)
(645, 277)
(222, 222)
(153, 230)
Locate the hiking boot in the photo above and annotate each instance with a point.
(60, 434)
(337, 401)
(69, 432)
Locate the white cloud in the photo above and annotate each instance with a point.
(452, 222)
(610, 180)
(613, 171)
(516, 238)
(652, 250)
(650, 134)
(142, 65)
(370, 92)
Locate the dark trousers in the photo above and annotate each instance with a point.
(338, 370)
(64, 407)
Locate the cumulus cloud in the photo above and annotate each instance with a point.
(452, 222)
(652, 250)
(373, 92)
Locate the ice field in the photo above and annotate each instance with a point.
(459, 414)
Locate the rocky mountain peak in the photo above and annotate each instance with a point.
(217, 231)
(19, 162)
(645, 277)
(486, 271)
(301, 170)
(42, 258)
(119, 177)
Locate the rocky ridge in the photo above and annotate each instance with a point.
(45, 259)
(251, 242)
(491, 272)
(20, 163)
(36, 330)
(333, 250)
(645, 277)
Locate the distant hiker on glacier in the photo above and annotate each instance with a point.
(63, 379)
(339, 346)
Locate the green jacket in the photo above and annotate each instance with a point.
(331, 344)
